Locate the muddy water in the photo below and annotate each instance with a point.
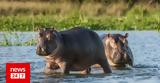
(144, 44)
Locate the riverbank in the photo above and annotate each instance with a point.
(30, 38)
(17, 15)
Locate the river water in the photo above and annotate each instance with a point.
(145, 46)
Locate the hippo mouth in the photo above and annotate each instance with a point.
(119, 62)
(119, 59)
(122, 59)
(41, 53)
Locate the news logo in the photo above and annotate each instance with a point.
(17, 73)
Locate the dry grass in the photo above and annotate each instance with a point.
(95, 9)
(16, 7)
(68, 8)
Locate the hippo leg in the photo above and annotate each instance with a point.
(104, 64)
(54, 66)
(87, 71)
(48, 69)
(65, 67)
(130, 63)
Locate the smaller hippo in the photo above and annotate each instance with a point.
(117, 50)
(76, 49)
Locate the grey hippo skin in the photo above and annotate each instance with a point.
(117, 50)
(76, 49)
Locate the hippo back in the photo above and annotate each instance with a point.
(79, 43)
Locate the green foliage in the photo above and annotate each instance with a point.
(28, 15)
(129, 22)
(6, 41)
(21, 15)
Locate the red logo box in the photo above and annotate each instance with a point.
(18, 73)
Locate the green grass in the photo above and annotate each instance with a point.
(128, 22)
(17, 15)
(31, 23)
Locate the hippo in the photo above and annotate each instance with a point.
(76, 49)
(117, 50)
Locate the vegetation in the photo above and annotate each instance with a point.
(28, 15)
(13, 39)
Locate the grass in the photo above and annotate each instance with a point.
(13, 39)
(28, 15)
(8, 43)
(128, 22)
(20, 15)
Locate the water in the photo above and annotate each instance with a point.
(144, 44)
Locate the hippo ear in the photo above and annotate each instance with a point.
(126, 35)
(52, 27)
(108, 35)
(51, 30)
(40, 32)
(45, 29)
(40, 29)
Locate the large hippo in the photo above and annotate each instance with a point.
(71, 50)
(117, 50)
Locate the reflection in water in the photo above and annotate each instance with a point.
(145, 47)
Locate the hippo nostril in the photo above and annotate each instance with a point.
(45, 51)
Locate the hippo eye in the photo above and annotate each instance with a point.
(49, 37)
(113, 44)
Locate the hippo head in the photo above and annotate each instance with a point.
(117, 49)
(47, 41)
